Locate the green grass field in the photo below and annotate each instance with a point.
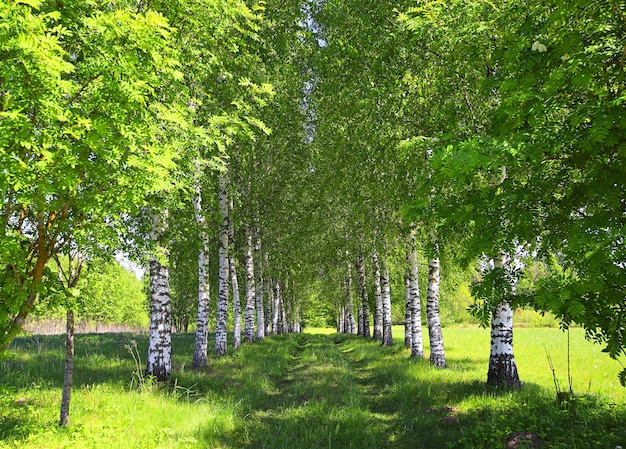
(312, 390)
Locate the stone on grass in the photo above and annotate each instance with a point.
(524, 439)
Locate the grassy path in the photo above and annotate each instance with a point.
(324, 400)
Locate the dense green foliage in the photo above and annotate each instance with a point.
(309, 391)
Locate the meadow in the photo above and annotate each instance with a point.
(313, 390)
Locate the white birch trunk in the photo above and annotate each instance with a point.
(365, 309)
(222, 300)
(350, 316)
(282, 326)
(260, 316)
(202, 319)
(502, 367)
(276, 308)
(408, 330)
(437, 355)
(234, 280)
(386, 299)
(417, 346)
(269, 304)
(159, 362)
(378, 300)
(250, 287)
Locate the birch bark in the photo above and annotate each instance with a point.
(417, 346)
(408, 330)
(351, 323)
(378, 300)
(159, 362)
(276, 300)
(202, 319)
(502, 366)
(437, 355)
(386, 300)
(365, 308)
(260, 315)
(269, 303)
(250, 287)
(222, 300)
(234, 280)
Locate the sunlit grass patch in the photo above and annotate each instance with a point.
(309, 390)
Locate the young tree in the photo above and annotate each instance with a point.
(68, 277)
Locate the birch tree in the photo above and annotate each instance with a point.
(234, 280)
(364, 318)
(437, 354)
(202, 318)
(378, 300)
(417, 348)
(260, 311)
(386, 305)
(251, 294)
(222, 299)
(159, 360)
(502, 367)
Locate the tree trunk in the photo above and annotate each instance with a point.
(160, 348)
(386, 299)
(417, 346)
(365, 321)
(276, 308)
(502, 367)
(69, 369)
(202, 320)
(437, 355)
(408, 329)
(269, 304)
(350, 315)
(260, 316)
(250, 287)
(378, 300)
(282, 328)
(236, 302)
(222, 299)
(232, 265)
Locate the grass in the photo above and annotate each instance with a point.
(313, 390)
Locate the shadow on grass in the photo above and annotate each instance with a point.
(356, 394)
(321, 391)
